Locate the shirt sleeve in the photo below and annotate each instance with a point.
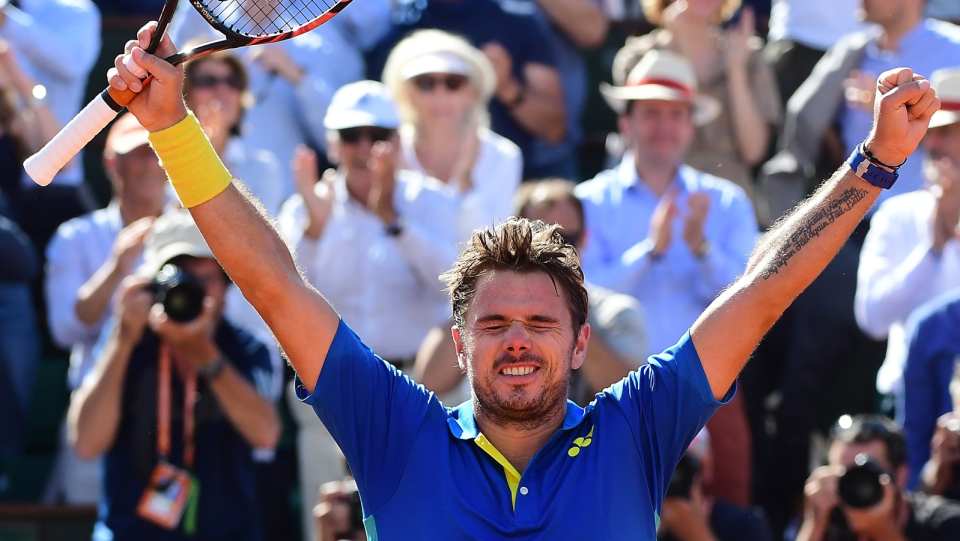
(764, 85)
(895, 271)
(372, 411)
(65, 43)
(622, 326)
(732, 235)
(666, 403)
(64, 276)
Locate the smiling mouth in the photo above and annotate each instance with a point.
(518, 370)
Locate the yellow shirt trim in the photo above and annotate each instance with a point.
(513, 476)
(195, 171)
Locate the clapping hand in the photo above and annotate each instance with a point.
(946, 217)
(317, 194)
(383, 165)
(737, 52)
(698, 205)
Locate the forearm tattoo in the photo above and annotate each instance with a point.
(811, 227)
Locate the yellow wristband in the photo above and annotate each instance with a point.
(195, 171)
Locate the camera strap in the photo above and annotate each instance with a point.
(174, 493)
(164, 384)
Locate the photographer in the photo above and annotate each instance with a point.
(859, 494)
(689, 515)
(338, 513)
(175, 466)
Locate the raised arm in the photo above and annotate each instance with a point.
(789, 257)
(232, 221)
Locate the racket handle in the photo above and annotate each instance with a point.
(46, 163)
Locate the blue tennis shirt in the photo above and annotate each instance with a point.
(425, 471)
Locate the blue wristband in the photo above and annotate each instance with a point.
(869, 171)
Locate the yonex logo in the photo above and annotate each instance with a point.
(580, 443)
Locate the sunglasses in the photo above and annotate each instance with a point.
(426, 83)
(212, 81)
(373, 133)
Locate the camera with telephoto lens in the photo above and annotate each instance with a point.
(181, 294)
(685, 473)
(860, 485)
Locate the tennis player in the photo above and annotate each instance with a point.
(518, 461)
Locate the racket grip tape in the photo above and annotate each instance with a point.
(46, 163)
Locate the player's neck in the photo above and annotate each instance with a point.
(519, 445)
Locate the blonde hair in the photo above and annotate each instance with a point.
(653, 10)
(424, 42)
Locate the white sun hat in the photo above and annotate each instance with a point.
(947, 84)
(662, 75)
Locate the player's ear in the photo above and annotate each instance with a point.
(461, 356)
(580, 348)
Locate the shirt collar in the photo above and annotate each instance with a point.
(463, 424)
(907, 41)
(626, 175)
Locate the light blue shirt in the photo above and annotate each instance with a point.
(283, 115)
(677, 287)
(932, 45)
(57, 43)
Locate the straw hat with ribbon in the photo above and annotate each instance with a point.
(947, 84)
(666, 76)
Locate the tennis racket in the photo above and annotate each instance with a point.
(242, 22)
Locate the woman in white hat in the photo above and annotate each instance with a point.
(442, 86)
(730, 67)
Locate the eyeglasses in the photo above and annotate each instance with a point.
(212, 81)
(373, 133)
(453, 82)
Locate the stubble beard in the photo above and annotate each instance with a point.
(516, 410)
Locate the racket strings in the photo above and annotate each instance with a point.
(258, 18)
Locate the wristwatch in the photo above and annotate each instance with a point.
(396, 227)
(212, 369)
(872, 170)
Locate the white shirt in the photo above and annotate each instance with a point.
(818, 24)
(78, 249)
(259, 171)
(386, 288)
(496, 174)
(898, 272)
(57, 43)
(331, 56)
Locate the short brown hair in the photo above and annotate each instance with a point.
(523, 246)
(547, 192)
(653, 10)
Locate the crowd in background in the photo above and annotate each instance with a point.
(379, 141)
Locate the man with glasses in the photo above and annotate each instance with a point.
(373, 239)
(860, 493)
